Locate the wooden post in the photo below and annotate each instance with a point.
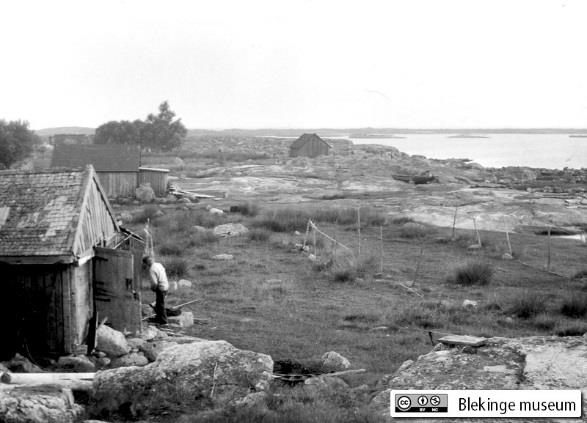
(477, 231)
(315, 249)
(454, 223)
(418, 264)
(548, 258)
(306, 236)
(359, 227)
(507, 237)
(381, 249)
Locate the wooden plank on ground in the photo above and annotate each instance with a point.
(472, 341)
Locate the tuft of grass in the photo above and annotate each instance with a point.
(148, 212)
(171, 249)
(473, 273)
(402, 220)
(344, 275)
(260, 235)
(527, 305)
(575, 306)
(246, 209)
(176, 267)
(414, 231)
(571, 329)
(581, 274)
(201, 238)
(283, 220)
(545, 321)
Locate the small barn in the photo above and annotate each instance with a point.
(309, 145)
(117, 166)
(65, 263)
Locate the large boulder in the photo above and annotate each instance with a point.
(111, 341)
(538, 362)
(38, 404)
(334, 362)
(198, 375)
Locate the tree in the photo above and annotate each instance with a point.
(16, 142)
(123, 132)
(161, 132)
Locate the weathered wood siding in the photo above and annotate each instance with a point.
(116, 289)
(36, 309)
(97, 226)
(311, 148)
(82, 305)
(119, 184)
(156, 177)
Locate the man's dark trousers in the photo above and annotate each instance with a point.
(161, 313)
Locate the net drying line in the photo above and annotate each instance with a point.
(312, 225)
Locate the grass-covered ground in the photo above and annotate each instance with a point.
(273, 298)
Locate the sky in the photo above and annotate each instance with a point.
(296, 63)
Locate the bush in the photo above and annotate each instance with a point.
(574, 307)
(176, 267)
(474, 273)
(527, 305)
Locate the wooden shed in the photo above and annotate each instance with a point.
(65, 263)
(309, 145)
(117, 166)
(156, 177)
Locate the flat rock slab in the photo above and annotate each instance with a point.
(471, 341)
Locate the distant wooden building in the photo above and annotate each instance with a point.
(64, 261)
(309, 145)
(117, 166)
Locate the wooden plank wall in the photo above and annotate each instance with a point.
(313, 148)
(157, 179)
(119, 184)
(97, 224)
(35, 307)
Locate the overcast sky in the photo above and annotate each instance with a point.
(298, 63)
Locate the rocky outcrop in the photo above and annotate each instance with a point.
(230, 229)
(37, 404)
(197, 374)
(334, 362)
(523, 363)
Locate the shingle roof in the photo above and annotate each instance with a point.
(104, 158)
(39, 211)
(304, 139)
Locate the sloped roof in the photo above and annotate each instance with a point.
(104, 158)
(40, 212)
(306, 138)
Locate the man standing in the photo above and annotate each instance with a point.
(159, 285)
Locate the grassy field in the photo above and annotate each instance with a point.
(375, 308)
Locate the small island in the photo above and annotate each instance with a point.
(467, 136)
(392, 136)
